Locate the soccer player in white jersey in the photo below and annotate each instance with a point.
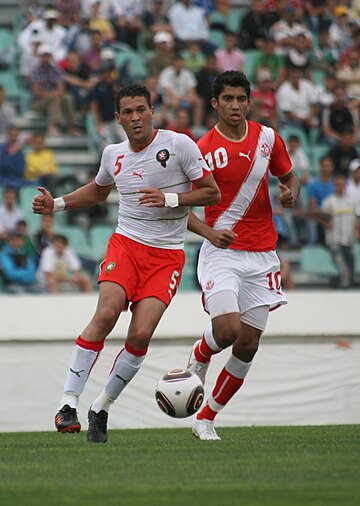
(238, 268)
(153, 171)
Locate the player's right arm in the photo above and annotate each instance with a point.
(219, 238)
(84, 196)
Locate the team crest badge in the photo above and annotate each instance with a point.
(265, 149)
(110, 267)
(210, 284)
(163, 156)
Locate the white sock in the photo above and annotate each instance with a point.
(210, 341)
(81, 362)
(125, 367)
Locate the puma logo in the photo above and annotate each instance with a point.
(77, 372)
(122, 379)
(245, 155)
(138, 173)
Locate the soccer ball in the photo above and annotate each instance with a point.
(179, 393)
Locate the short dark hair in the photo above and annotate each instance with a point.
(61, 238)
(232, 78)
(132, 90)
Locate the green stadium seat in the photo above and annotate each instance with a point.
(217, 37)
(357, 258)
(317, 260)
(99, 236)
(251, 56)
(316, 153)
(288, 131)
(9, 81)
(134, 62)
(26, 195)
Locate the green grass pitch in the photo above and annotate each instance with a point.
(251, 466)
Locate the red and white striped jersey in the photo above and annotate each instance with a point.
(171, 162)
(240, 169)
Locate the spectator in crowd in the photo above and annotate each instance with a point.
(344, 151)
(102, 107)
(128, 21)
(353, 190)
(230, 57)
(45, 235)
(181, 123)
(204, 81)
(60, 268)
(42, 167)
(298, 56)
(338, 116)
(12, 159)
(29, 57)
(18, 266)
(68, 12)
(297, 101)
(355, 46)
(339, 30)
(154, 20)
(254, 26)
(290, 223)
(78, 37)
(287, 28)
(161, 117)
(49, 31)
(270, 60)
(10, 212)
(49, 94)
(340, 231)
(349, 74)
(103, 25)
(220, 18)
(318, 189)
(178, 86)
(23, 229)
(163, 53)
(92, 57)
(7, 114)
(325, 56)
(263, 109)
(317, 14)
(194, 58)
(299, 160)
(188, 23)
(78, 80)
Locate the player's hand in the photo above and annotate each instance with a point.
(221, 238)
(152, 197)
(286, 196)
(43, 203)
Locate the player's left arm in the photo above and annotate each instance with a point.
(289, 189)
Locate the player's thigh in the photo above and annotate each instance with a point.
(226, 328)
(146, 315)
(112, 300)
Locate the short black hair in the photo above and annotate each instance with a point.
(132, 90)
(232, 78)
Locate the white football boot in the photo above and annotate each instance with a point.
(204, 430)
(199, 368)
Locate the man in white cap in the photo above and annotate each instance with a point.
(163, 53)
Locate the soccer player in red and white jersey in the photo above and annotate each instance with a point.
(154, 172)
(238, 268)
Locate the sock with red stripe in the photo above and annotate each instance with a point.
(126, 365)
(227, 384)
(83, 358)
(207, 347)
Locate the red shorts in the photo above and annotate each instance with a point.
(143, 271)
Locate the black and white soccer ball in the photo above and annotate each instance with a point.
(179, 393)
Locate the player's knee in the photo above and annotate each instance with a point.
(139, 338)
(106, 318)
(246, 348)
(226, 336)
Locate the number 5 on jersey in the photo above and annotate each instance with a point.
(118, 164)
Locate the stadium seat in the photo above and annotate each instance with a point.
(316, 153)
(317, 260)
(251, 56)
(99, 236)
(26, 195)
(131, 66)
(288, 131)
(217, 37)
(357, 258)
(9, 82)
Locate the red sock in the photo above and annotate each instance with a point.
(203, 352)
(226, 387)
(90, 345)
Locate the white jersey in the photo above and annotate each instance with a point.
(169, 163)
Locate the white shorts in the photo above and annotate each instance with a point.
(253, 276)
